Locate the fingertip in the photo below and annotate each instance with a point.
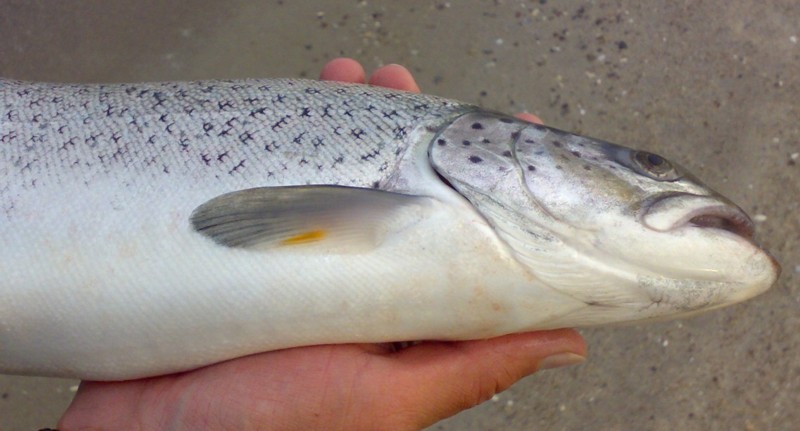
(394, 76)
(529, 117)
(344, 70)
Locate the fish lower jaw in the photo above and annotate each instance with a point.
(651, 298)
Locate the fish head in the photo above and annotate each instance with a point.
(629, 233)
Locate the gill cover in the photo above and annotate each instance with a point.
(477, 156)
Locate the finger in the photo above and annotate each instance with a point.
(394, 76)
(440, 379)
(529, 117)
(343, 70)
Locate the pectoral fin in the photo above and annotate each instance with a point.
(336, 218)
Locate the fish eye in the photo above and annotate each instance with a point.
(654, 166)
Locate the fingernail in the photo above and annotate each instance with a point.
(560, 360)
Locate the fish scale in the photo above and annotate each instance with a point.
(276, 132)
(153, 228)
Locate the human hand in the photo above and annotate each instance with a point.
(332, 387)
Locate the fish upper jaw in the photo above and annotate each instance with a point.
(677, 210)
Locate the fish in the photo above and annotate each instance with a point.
(153, 228)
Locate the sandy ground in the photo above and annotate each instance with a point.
(713, 87)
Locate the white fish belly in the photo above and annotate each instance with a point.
(99, 297)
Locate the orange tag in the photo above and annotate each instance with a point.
(305, 237)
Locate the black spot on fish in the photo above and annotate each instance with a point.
(441, 142)
(239, 166)
(530, 141)
(514, 135)
(506, 120)
(559, 167)
(486, 141)
(255, 112)
(475, 159)
(531, 168)
(371, 155)
(376, 184)
(399, 132)
(477, 126)
(557, 144)
(587, 167)
(507, 153)
(466, 142)
(576, 154)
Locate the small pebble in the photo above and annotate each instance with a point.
(759, 218)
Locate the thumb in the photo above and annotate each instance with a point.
(439, 379)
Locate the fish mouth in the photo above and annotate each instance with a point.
(681, 210)
(734, 221)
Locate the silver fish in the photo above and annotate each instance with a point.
(152, 228)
